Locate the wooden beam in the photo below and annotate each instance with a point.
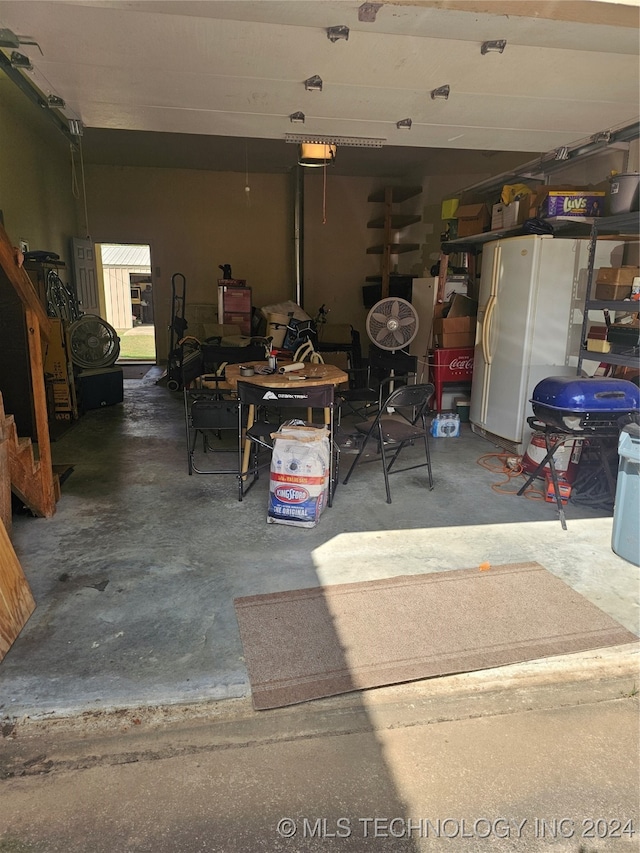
(16, 600)
(5, 477)
(386, 245)
(48, 506)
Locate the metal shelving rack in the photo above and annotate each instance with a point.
(565, 226)
(624, 226)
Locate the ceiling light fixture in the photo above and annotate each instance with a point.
(316, 154)
(313, 84)
(55, 102)
(367, 12)
(19, 60)
(336, 33)
(297, 118)
(442, 92)
(496, 46)
(404, 124)
(75, 127)
(341, 141)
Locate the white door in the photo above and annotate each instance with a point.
(85, 275)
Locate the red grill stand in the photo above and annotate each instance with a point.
(453, 366)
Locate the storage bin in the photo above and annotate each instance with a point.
(625, 537)
(623, 193)
(462, 405)
(98, 388)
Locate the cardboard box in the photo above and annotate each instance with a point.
(550, 493)
(58, 369)
(240, 321)
(458, 328)
(449, 208)
(509, 215)
(455, 284)
(573, 203)
(597, 345)
(461, 306)
(497, 216)
(473, 219)
(617, 275)
(612, 291)
(538, 197)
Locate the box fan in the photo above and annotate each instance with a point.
(94, 343)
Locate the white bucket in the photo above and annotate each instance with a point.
(565, 458)
(623, 193)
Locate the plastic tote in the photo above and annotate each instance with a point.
(625, 538)
(623, 193)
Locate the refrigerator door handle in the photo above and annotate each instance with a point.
(486, 329)
(491, 304)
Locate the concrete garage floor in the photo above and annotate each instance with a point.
(135, 575)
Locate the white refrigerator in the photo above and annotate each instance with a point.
(530, 288)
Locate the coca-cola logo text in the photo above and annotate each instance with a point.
(461, 363)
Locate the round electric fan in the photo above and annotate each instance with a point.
(94, 343)
(392, 323)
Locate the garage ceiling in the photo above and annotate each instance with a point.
(213, 84)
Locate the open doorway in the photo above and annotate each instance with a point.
(129, 299)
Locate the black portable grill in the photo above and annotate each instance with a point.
(593, 408)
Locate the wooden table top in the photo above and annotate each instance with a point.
(314, 374)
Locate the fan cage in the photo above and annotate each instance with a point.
(392, 323)
(94, 343)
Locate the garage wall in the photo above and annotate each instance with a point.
(194, 221)
(335, 259)
(36, 196)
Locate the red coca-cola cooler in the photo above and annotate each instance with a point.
(450, 366)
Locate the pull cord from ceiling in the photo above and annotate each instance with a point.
(75, 189)
(247, 187)
(324, 193)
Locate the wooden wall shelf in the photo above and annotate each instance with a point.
(390, 222)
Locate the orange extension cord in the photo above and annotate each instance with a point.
(498, 463)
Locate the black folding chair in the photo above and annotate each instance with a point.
(407, 424)
(208, 415)
(369, 385)
(215, 358)
(258, 399)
